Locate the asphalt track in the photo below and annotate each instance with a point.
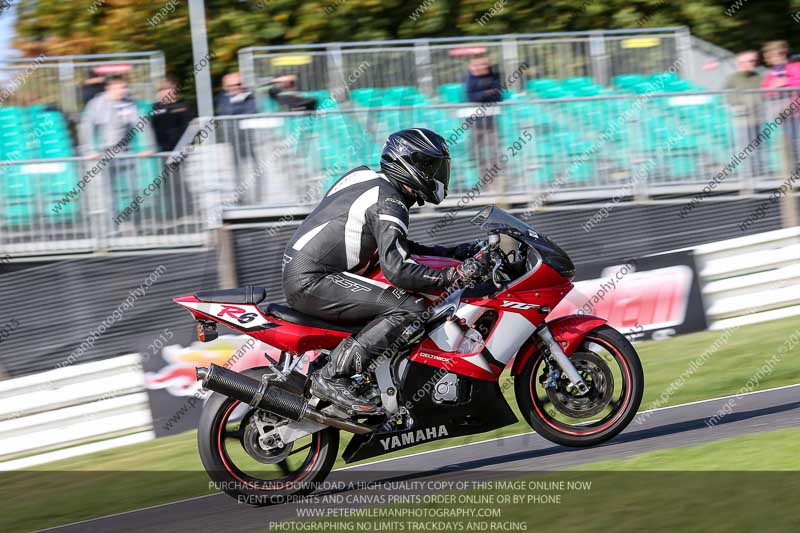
(678, 426)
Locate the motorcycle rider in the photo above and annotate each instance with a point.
(363, 221)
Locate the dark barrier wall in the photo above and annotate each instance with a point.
(76, 311)
(628, 231)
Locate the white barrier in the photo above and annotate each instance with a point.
(751, 279)
(65, 412)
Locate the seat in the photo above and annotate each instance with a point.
(294, 316)
(242, 295)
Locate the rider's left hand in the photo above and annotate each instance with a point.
(471, 269)
(464, 250)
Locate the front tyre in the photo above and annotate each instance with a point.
(609, 365)
(228, 445)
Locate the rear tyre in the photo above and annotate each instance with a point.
(238, 467)
(609, 364)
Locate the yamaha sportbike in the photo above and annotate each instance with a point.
(577, 381)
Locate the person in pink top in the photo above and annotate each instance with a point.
(783, 74)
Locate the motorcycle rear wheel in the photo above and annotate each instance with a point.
(605, 359)
(250, 480)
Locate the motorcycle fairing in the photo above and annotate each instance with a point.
(243, 317)
(519, 313)
(569, 331)
(252, 320)
(483, 409)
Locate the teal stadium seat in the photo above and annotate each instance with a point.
(565, 130)
(35, 133)
(265, 104)
(366, 97)
(538, 86)
(452, 93)
(625, 81)
(581, 81)
(664, 77)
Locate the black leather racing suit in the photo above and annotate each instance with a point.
(361, 221)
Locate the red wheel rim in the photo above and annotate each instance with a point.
(251, 482)
(591, 429)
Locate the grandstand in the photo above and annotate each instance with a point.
(565, 129)
(604, 109)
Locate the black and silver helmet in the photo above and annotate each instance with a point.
(419, 158)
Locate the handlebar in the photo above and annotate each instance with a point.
(490, 247)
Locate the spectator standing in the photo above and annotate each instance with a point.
(108, 119)
(235, 98)
(783, 74)
(747, 108)
(171, 116)
(92, 86)
(283, 89)
(483, 86)
(107, 124)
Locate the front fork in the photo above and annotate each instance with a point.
(556, 354)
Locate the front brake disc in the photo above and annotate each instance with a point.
(597, 376)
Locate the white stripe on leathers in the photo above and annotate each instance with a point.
(353, 228)
(359, 176)
(302, 241)
(390, 218)
(370, 281)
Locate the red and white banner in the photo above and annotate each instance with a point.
(656, 296)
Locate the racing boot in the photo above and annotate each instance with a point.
(334, 382)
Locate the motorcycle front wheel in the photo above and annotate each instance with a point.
(228, 444)
(609, 365)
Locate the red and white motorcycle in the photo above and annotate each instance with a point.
(577, 381)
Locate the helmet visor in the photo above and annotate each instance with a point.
(442, 180)
(436, 171)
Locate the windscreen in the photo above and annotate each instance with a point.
(492, 218)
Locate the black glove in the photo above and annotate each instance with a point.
(472, 268)
(464, 250)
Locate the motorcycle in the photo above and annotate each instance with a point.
(577, 381)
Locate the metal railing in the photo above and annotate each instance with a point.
(711, 65)
(123, 202)
(641, 145)
(59, 80)
(429, 63)
(523, 151)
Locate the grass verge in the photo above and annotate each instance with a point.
(746, 483)
(113, 481)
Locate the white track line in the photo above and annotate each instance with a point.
(720, 398)
(533, 432)
(126, 512)
(419, 453)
